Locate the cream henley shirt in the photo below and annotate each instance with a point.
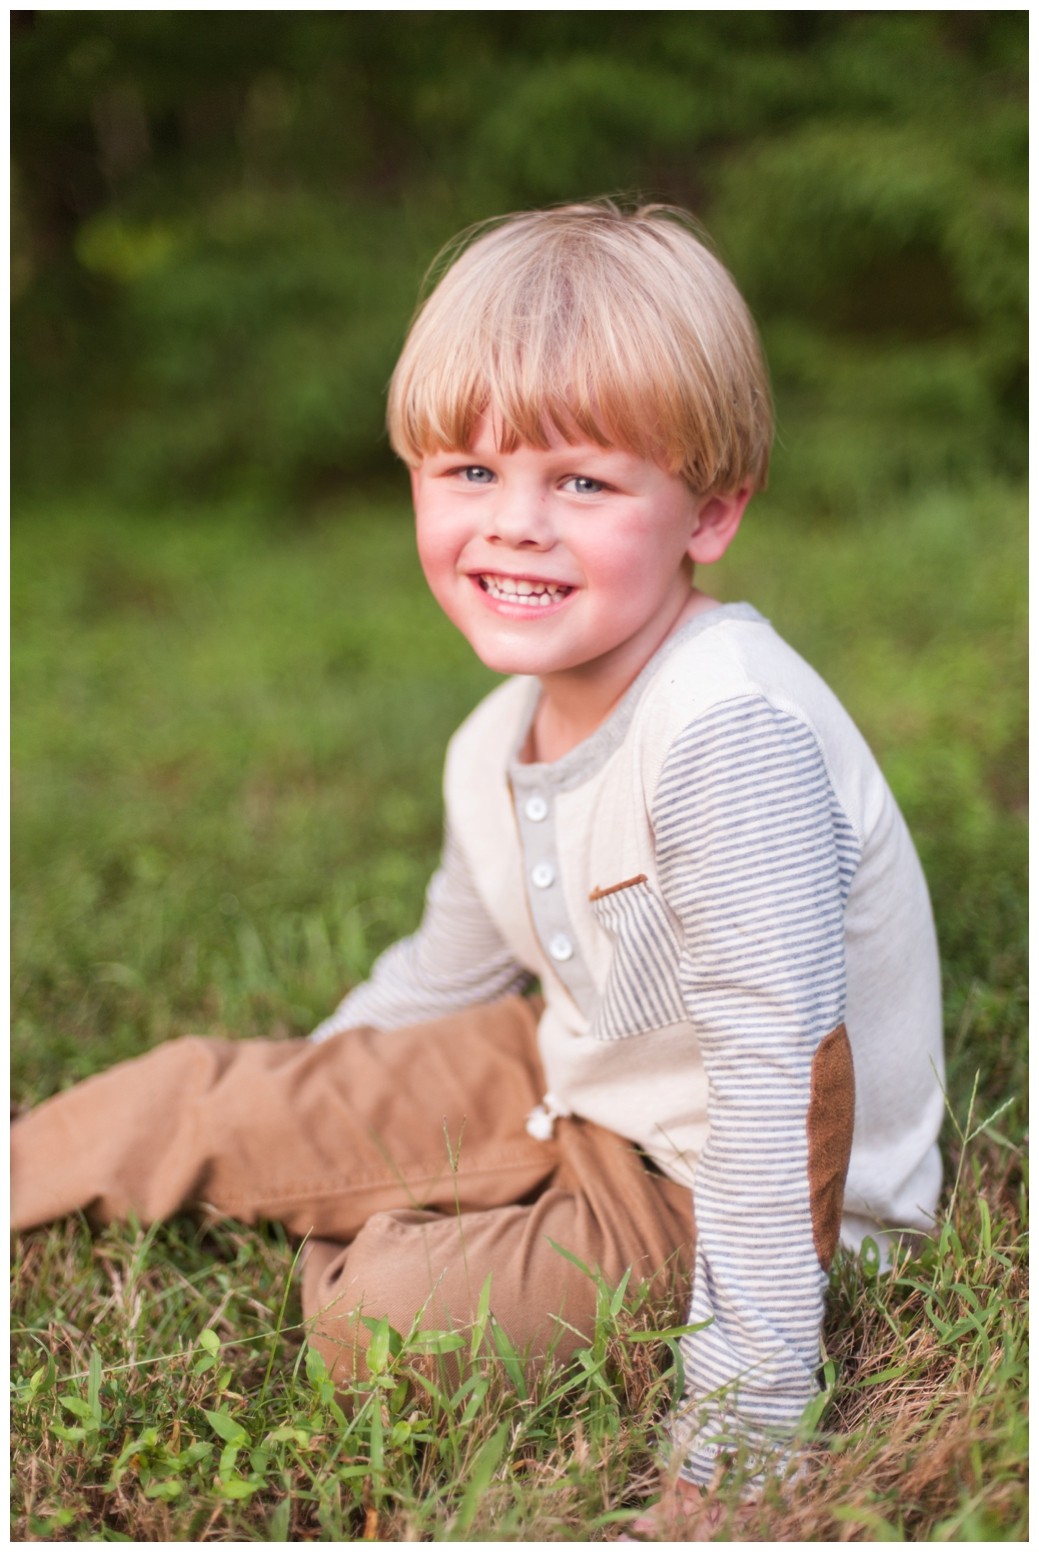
(726, 914)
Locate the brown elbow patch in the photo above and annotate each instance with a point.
(831, 1121)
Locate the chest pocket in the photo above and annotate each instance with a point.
(642, 990)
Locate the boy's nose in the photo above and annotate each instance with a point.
(523, 522)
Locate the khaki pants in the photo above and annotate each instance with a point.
(402, 1153)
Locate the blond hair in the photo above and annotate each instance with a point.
(612, 326)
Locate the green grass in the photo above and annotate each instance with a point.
(227, 746)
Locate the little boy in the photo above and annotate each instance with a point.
(662, 816)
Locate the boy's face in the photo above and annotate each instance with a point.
(571, 562)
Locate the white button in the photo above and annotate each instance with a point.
(535, 807)
(543, 874)
(561, 947)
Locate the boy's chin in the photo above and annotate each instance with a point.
(508, 662)
(503, 656)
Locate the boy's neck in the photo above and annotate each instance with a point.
(571, 709)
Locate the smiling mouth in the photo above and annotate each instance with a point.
(517, 590)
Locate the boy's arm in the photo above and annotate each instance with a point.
(456, 959)
(756, 859)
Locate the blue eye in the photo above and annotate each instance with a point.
(476, 474)
(584, 485)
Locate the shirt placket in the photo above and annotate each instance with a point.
(536, 811)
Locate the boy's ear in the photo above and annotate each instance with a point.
(717, 522)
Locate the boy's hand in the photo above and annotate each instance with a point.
(685, 1512)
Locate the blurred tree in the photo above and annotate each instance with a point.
(220, 220)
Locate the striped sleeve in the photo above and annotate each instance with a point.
(456, 959)
(756, 860)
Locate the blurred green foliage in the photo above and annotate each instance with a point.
(221, 220)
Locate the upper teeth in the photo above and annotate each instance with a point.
(536, 594)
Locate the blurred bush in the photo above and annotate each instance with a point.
(220, 221)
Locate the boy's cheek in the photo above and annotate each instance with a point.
(433, 550)
(439, 567)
